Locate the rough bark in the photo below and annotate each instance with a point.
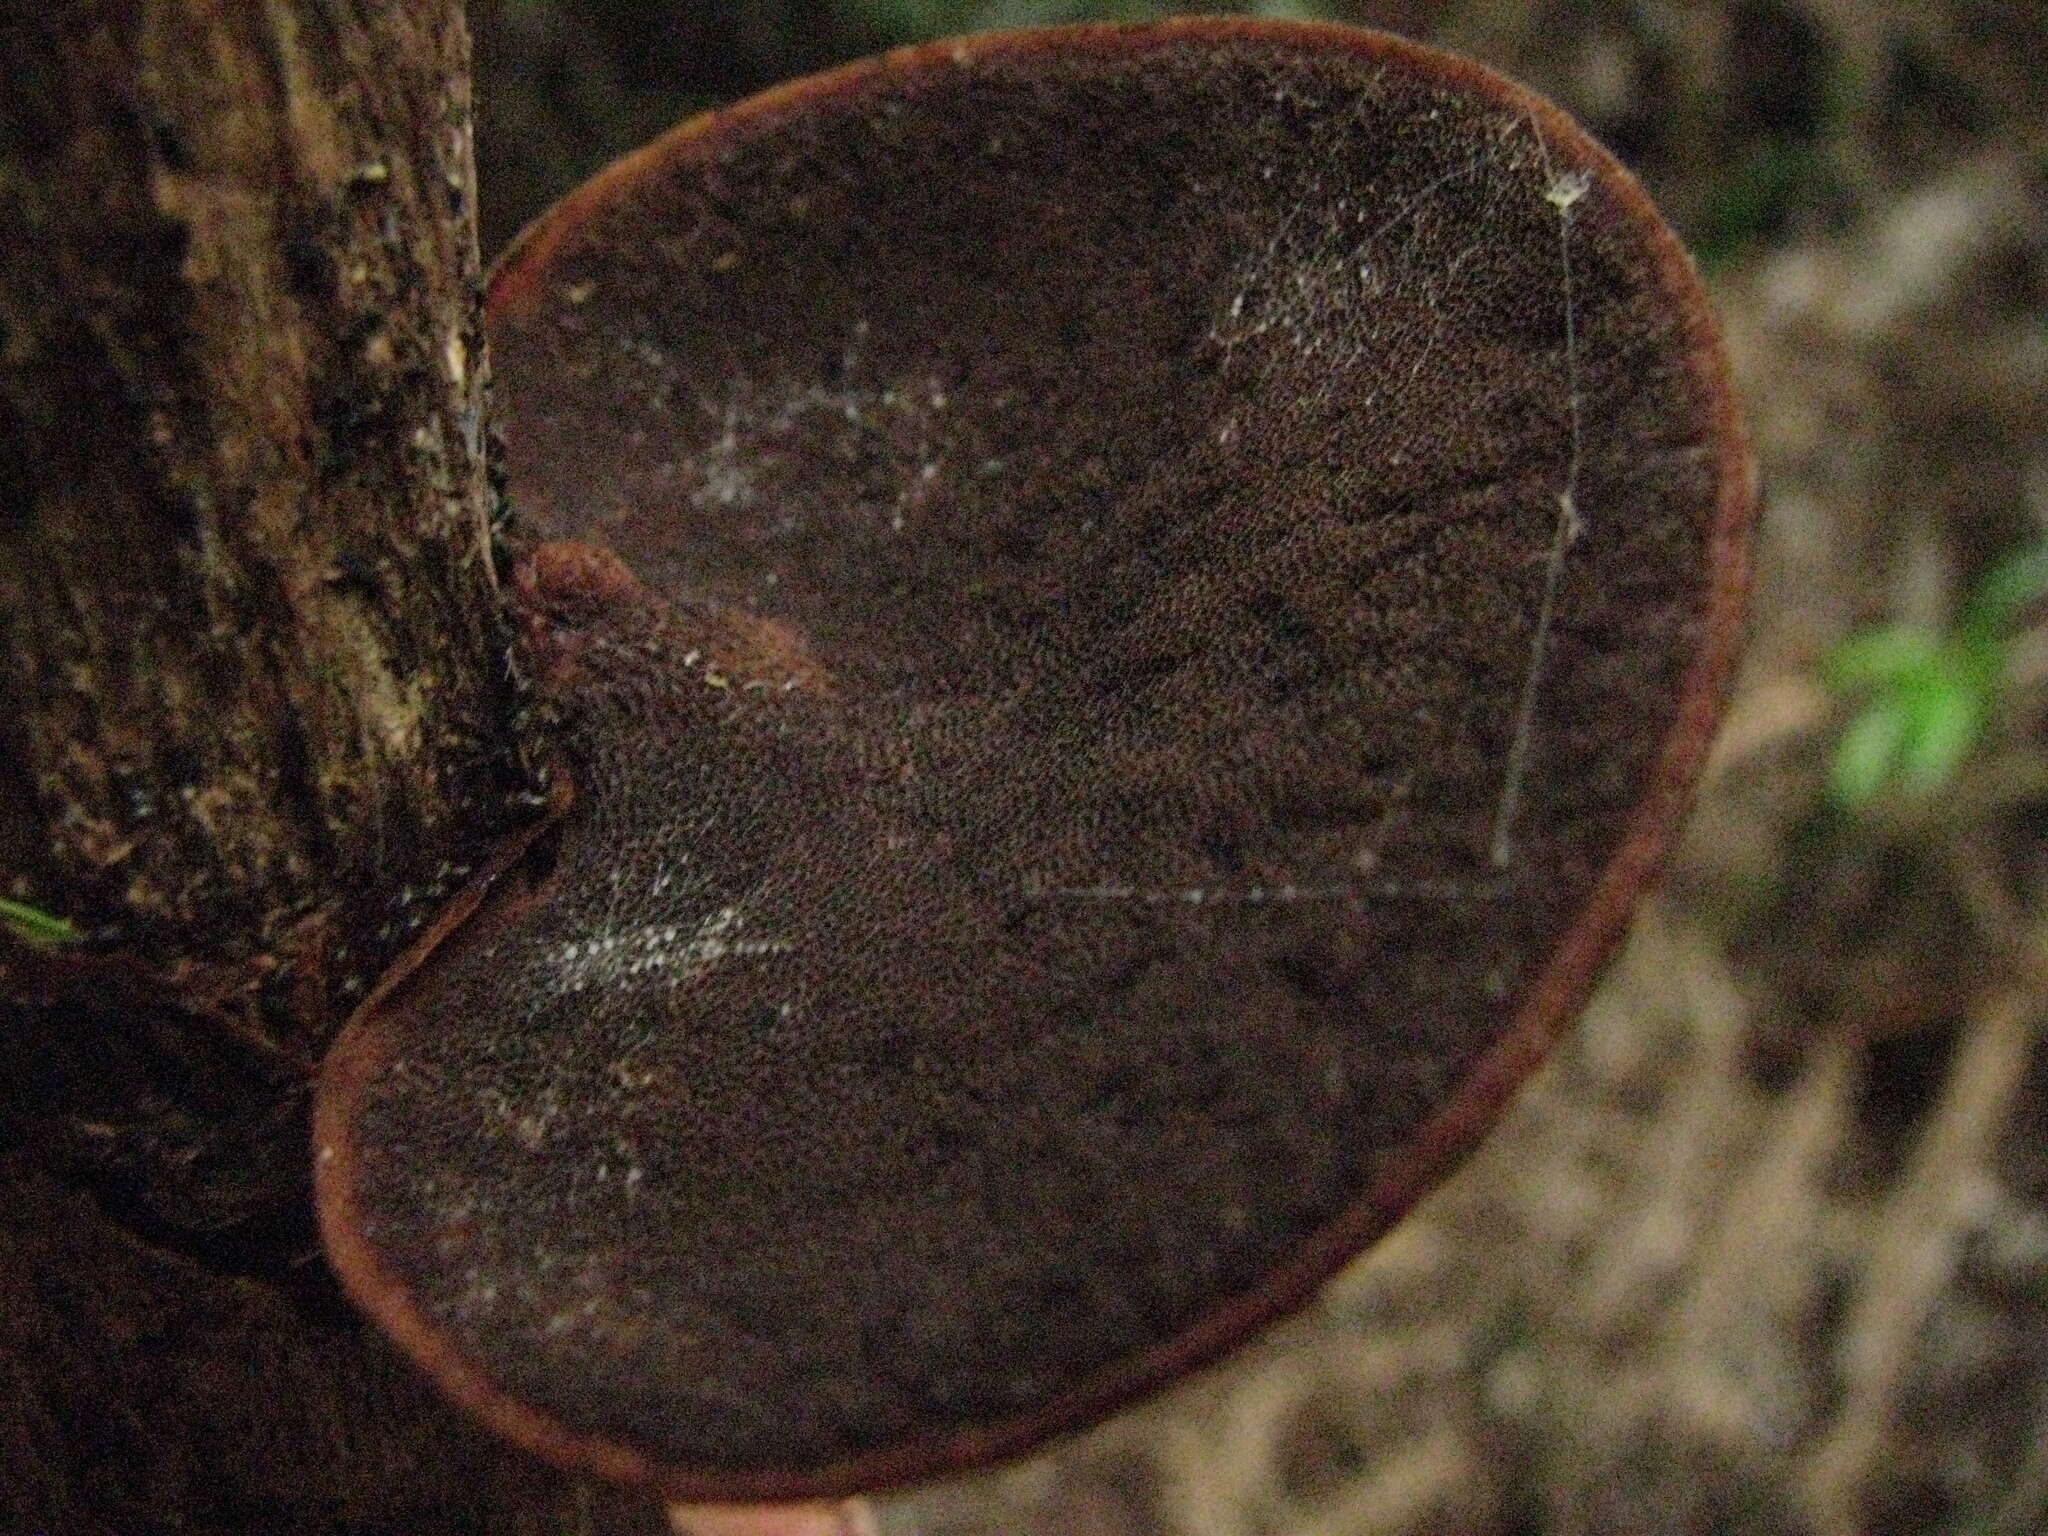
(245, 556)
(255, 713)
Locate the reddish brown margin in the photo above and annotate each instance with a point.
(517, 286)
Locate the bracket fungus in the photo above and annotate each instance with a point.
(1130, 608)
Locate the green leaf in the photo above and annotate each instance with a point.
(34, 926)
(2007, 590)
(1880, 658)
(1868, 749)
(1930, 697)
(1946, 719)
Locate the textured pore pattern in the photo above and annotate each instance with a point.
(1175, 563)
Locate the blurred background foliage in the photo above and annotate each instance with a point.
(1765, 1249)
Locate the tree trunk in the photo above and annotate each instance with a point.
(255, 718)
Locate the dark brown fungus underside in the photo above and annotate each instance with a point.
(1187, 575)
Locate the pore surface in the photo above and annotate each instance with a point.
(1180, 560)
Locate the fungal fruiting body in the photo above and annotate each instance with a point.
(1129, 609)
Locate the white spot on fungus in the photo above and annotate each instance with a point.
(664, 953)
